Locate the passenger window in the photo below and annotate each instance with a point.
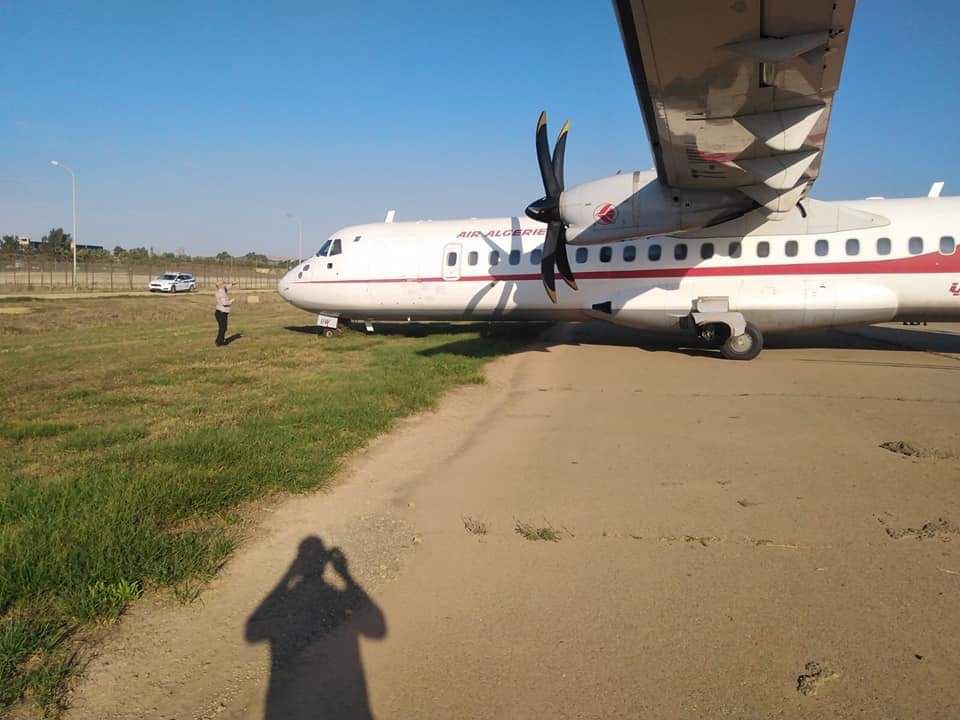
(706, 251)
(451, 259)
(822, 248)
(336, 249)
(514, 257)
(791, 248)
(357, 238)
(883, 246)
(494, 257)
(735, 249)
(680, 251)
(305, 268)
(763, 249)
(947, 245)
(915, 245)
(629, 253)
(536, 256)
(653, 253)
(853, 246)
(606, 253)
(582, 254)
(473, 257)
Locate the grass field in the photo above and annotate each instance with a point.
(127, 441)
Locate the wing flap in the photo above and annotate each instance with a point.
(724, 85)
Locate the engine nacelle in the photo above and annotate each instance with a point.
(637, 204)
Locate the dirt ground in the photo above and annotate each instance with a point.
(728, 540)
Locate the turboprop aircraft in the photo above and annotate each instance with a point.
(720, 241)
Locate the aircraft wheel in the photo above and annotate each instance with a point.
(743, 347)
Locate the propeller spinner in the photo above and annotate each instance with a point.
(547, 209)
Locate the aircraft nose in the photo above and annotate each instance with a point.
(284, 285)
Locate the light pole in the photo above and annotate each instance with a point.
(73, 183)
(299, 236)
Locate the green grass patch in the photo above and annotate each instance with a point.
(118, 400)
(35, 429)
(33, 659)
(147, 496)
(91, 438)
(80, 394)
(229, 379)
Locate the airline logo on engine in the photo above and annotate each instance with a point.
(605, 214)
(955, 289)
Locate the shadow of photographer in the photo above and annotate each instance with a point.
(313, 620)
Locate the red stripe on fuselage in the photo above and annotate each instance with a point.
(912, 265)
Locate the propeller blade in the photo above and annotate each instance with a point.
(548, 260)
(543, 158)
(558, 151)
(563, 262)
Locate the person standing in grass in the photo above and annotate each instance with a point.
(222, 313)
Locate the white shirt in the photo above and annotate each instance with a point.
(223, 302)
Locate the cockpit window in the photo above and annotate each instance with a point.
(335, 249)
(324, 248)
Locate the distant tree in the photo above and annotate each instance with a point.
(56, 242)
(168, 256)
(222, 256)
(119, 251)
(138, 253)
(257, 258)
(9, 243)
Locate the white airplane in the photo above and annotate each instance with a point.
(720, 241)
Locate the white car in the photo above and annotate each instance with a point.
(173, 282)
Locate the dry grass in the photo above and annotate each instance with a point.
(474, 526)
(533, 532)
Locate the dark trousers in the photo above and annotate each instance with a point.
(221, 326)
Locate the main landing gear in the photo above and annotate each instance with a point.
(743, 347)
(720, 328)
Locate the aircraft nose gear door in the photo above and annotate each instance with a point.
(451, 261)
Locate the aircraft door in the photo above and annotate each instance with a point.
(451, 261)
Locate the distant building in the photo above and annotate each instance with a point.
(24, 241)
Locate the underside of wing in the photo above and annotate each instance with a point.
(737, 93)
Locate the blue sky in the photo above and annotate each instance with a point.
(199, 124)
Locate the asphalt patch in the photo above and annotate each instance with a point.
(901, 448)
(941, 528)
(813, 676)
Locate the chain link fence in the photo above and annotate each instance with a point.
(33, 272)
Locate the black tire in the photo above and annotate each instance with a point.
(743, 347)
(328, 333)
(173, 289)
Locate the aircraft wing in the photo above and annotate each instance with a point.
(737, 93)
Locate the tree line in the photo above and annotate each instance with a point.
(57, 243)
